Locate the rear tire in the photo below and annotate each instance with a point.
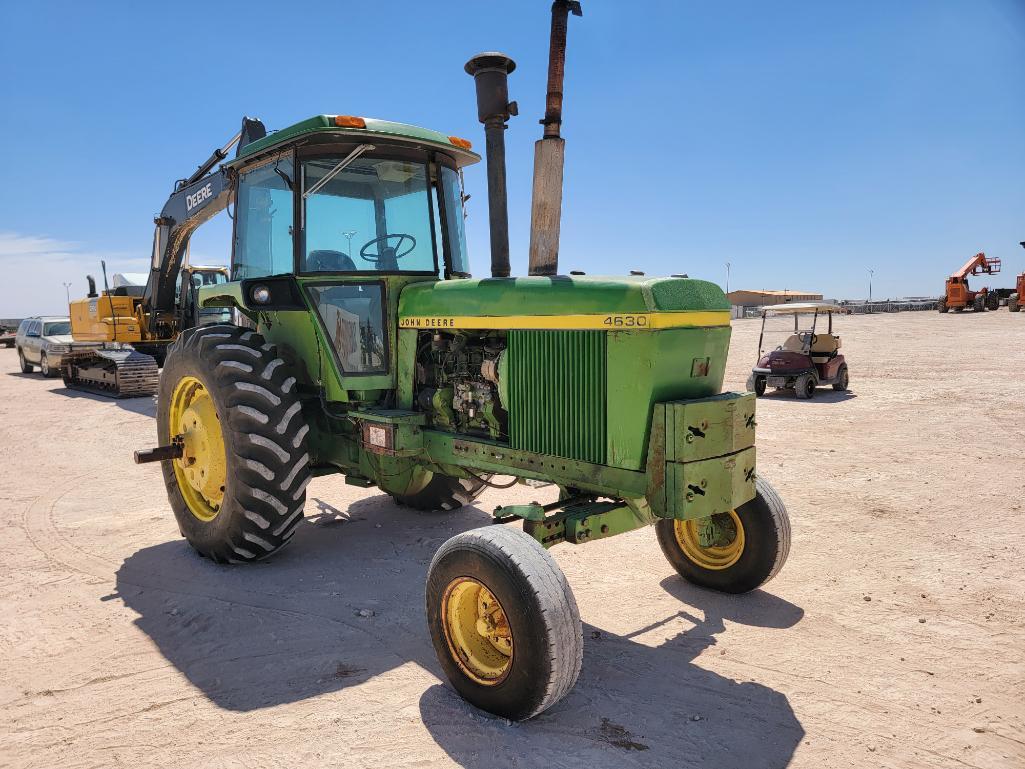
(993, 302)
(1012, 303)
(941, 305)
(766, 530)
(26, 367)
(442, 493)
(536, 609)
(266, 454)
(979, 304)
(843, 379)
(805, 386)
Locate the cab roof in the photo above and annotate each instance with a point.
(385, 129)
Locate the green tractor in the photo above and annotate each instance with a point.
(362, 346)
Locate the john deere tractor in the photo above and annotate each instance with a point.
(363, 347)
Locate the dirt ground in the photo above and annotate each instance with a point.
(894, 636)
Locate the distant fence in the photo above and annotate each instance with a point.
(910, 304)
(889, 305)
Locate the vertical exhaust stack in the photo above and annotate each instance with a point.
(550, 153)
(490, 74)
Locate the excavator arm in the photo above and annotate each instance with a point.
(194, 201)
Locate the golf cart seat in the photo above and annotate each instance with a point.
(824, 347)
(793, 344)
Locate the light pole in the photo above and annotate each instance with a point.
(870, 274)
(727, 277)
(349, 235)
(67, 292)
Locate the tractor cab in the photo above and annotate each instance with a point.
(796, 353)
(338, 214)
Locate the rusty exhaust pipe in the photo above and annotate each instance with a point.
(490, 72)
(550, 153)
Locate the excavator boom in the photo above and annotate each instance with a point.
(150, 317)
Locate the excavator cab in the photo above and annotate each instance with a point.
(809, 356)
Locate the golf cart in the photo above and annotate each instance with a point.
(805, 355)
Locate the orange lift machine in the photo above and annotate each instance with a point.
(958, 297)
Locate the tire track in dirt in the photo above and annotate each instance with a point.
(41, 529)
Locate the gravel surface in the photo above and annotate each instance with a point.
(893, 637)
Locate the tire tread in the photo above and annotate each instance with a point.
(270, 467)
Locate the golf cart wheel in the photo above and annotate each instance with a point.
(756, 384)
(941, 305)
(442, 492)
(805, 386)
(843, 379)
(239, 488)
(26, 367)
(748, 545)
(1012, 303)
(503, 620)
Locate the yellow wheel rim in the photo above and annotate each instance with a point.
(722, 535)
(477, 631)
(201, 470)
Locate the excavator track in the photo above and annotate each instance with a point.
(113, 373)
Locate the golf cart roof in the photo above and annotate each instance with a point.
(800, 308)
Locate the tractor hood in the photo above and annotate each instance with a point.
(564, 302)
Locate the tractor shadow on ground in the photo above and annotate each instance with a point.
(341, 604)
(642, 705)
(147, 406)
(344, 604)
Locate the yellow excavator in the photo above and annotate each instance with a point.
(125, 361)
(125, 330)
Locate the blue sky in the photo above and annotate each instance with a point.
(804, 142)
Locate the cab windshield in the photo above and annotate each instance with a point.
(375, 215)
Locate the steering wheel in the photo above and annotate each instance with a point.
(803, 336)
(394, 252)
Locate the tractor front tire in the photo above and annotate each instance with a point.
(233, 401)
(804, 387)
(442, 493)
(979, 304)
(941, 305)
(757, 551)
(504, 622)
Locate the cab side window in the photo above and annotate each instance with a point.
(263, 222)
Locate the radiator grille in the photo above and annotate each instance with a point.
(557, 393)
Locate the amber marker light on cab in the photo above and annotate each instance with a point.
(350, 121)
